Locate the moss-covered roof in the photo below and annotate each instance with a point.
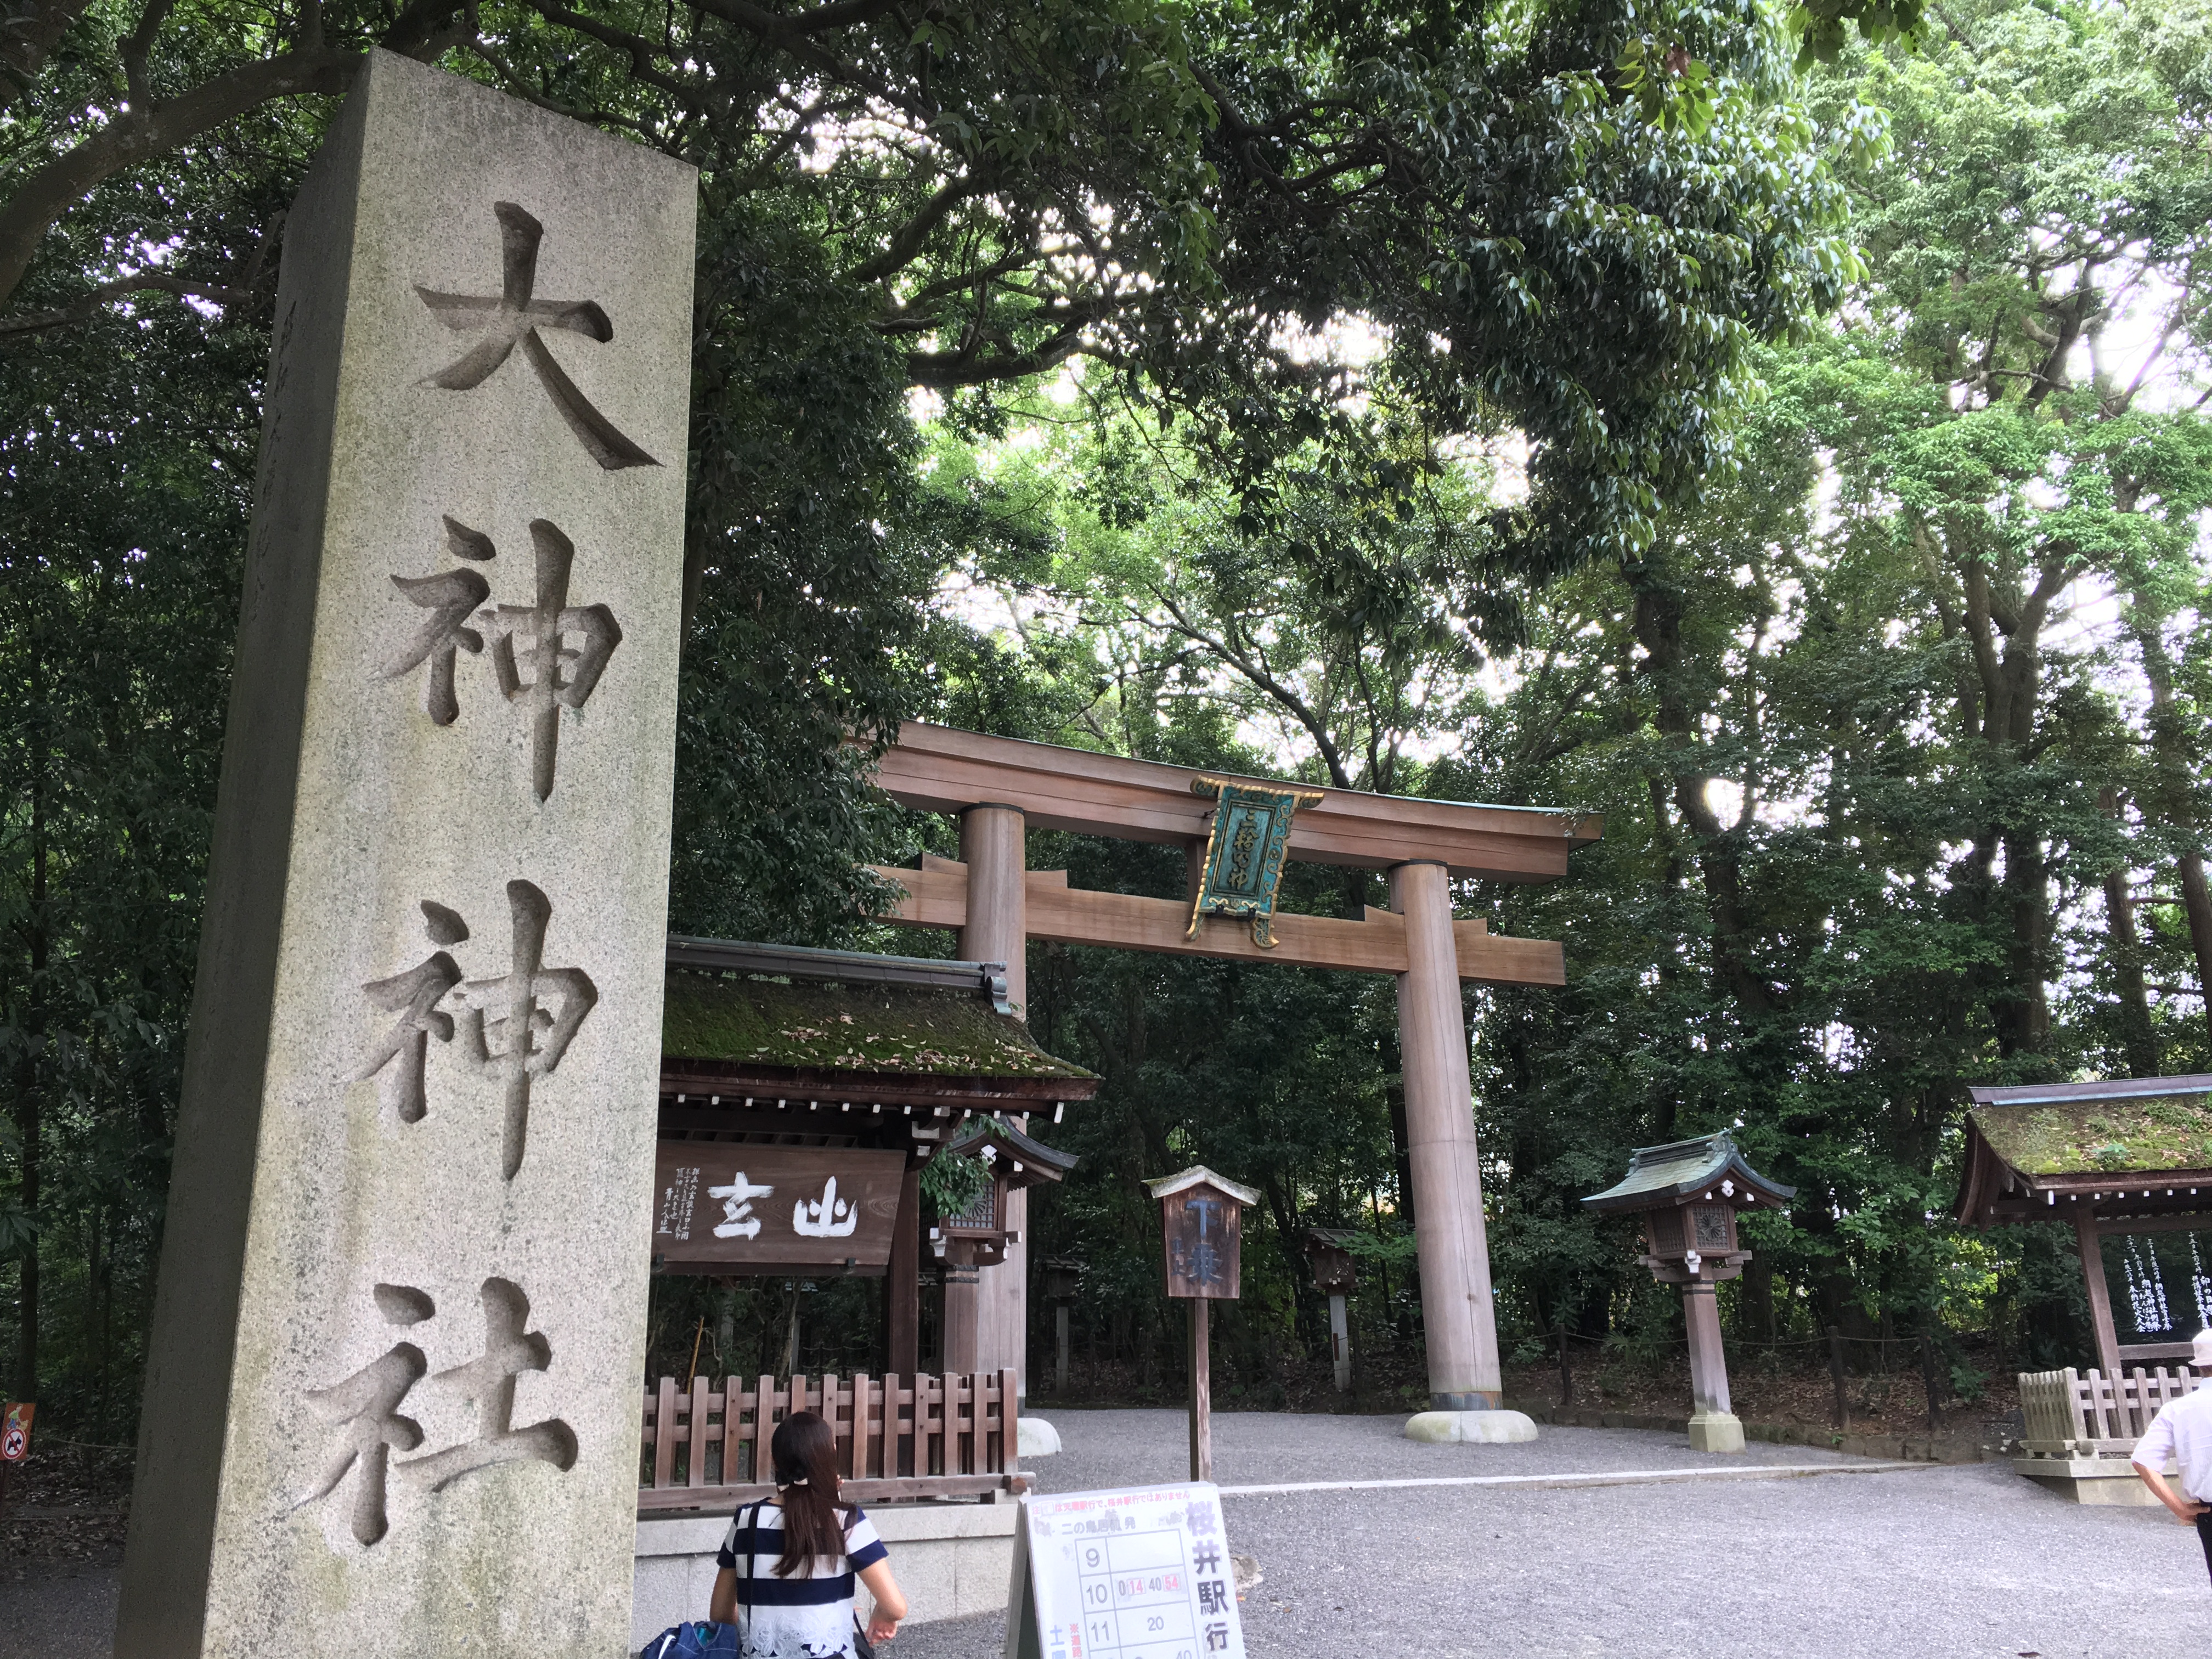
(2143, 1133)
(895, 1030)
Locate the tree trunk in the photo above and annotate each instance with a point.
(2021, 1008)
(27, 1115)
(2171, 749)
(1658, 625)
(2124, 951)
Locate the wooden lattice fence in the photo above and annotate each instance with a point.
(706, 1447)
(2087, 1415)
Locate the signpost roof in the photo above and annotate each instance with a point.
(1198, 1174)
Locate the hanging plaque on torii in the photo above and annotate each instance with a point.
(1245, 850)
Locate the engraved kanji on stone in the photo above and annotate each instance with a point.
(413, 996)
(512, 318)
(451, 597)
(515, 1026)
(488, 1380)
(530, 653)
(365, 1409)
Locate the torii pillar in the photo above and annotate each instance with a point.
(994, 845)
(1456, 1309)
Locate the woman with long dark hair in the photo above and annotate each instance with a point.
(788, 1562)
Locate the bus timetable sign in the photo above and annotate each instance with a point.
(1141, 1573)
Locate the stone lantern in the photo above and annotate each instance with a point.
(1336, 1275)
(1688, 1193)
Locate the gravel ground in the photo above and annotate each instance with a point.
(57, 1610)
(1145, 1448)
(1963, 1561)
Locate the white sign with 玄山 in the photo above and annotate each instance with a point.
(1142, 1573)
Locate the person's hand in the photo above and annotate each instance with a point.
(881, 1629)
(2187, 1511)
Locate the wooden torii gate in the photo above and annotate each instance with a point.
(1000, 786)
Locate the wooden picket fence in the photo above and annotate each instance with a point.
(2087, 1415)
(706, 1447)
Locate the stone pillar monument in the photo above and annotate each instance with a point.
(391, 1401)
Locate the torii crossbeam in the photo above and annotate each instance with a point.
(1001, 786)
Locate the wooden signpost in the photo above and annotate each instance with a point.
(1201, 1214)
(1063, 1281)
(1335, 1276)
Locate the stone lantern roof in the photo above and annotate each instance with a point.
(1709, 1167)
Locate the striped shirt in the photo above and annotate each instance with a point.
(807, 1617)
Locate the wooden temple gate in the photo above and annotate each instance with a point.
(1001, 786)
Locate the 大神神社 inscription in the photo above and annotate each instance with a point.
(512, 318)
(365, 1408)
(389, 1402)
(548, 654)
(514, 1027)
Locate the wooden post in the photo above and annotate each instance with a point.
(1566, 1369)
(994, 845)
(2090, 1239)
(1060, 1365)
(1836, 1376)
(902, 1281)
(1454, 1252)
(1709, 1388)
(960, 1309)
(1340, 1341)
(1201, 1394)
(1927, 1378)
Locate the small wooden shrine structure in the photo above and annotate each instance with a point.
(2128, 1159)
(1688, 1193)
(979, 1236)
(801, 1093)
(1336, 1276)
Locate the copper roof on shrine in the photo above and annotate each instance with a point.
(1683, 1169)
